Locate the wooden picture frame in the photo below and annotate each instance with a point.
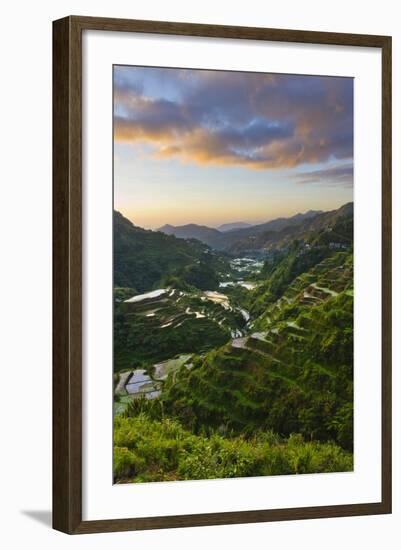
(67, 273)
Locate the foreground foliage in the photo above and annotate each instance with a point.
(162, 450)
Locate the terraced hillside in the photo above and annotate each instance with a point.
(326, 279)
(294, 374)
(161, 324)
(252, 375)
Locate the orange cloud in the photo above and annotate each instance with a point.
(251, 120)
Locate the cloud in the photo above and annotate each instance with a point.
(252, 120)
(341, 175)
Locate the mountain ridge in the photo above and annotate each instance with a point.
(256, 235)
(202, 233)
(233, 225)
(144, 258)
(300, 229)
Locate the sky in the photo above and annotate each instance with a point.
(214, 147)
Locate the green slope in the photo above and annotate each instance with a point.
(177, 321)
(143, 259)
(271, 396)
(293, 374)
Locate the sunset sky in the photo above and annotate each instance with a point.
(212, 147)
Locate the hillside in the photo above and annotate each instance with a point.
(159, 325)
(259, 368)
(142, 259)
(234, 225)
(254, 235)
(224, 239)
(207, 235)
(291, 373)
(335, 224)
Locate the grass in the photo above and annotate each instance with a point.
(162, 450)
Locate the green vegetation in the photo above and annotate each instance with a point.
(123, 293)
(254, 379)
(142, 259)
(173, 323)
(288, 380)
(162, 450)
(200, 275)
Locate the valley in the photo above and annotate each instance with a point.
(246, 345)
(184, 320)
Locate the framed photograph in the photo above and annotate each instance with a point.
(222, 274)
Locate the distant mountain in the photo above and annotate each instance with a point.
(204, 234)
(144, 259)
(224, 240)
(234, 225)
(334, 226)
(279, 223)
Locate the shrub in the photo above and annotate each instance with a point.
(156, 450)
